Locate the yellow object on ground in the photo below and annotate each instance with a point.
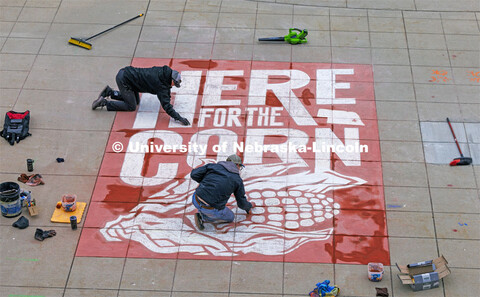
(61, 216)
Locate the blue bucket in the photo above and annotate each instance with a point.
(10, 203)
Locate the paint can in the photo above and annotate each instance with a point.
(30, 165)
(69, 202)
(73, 222)
(10, 203)
(375, 272)
(25, 198)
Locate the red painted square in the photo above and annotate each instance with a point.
(93, 243)
(313, 205)
(101, 214)
(360, 198)
(361, 249)
(313, 252)
(163, 249)
(360, 222)
(113, 189)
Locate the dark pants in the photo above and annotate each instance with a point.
(127, 99)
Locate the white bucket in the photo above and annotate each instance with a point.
(375, 272)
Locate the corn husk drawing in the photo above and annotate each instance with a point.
(295, 207)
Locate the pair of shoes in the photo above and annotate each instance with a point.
(100, 102)
(199, 221)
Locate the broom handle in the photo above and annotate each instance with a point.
(455, 137)
(115, 26)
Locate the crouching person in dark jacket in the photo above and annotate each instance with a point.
(131, 81)
(217, 182)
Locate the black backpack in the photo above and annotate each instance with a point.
(16, 126)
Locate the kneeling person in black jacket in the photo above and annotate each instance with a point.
(217, 182)
(132, 80)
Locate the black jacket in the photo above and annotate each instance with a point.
(218, 182)
(154, 80)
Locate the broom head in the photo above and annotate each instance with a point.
(461, 161)
(80, 42)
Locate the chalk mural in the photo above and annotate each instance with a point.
(308, 136)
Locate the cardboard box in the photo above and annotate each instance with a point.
(424, 275)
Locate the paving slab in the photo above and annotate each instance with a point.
(436, 93)
(299, 276)
(9, 99)
(350, 39)
(26, 291)
(401, 151)
(12, 79)
(243, 281)
(346, 274)
(426, 41)
(124, 293)
(9, 13)
(399, 130)
(148, 274)
(455, 200)
(400, 5)
(394, 92)
(391, 25)
(457, 225)
(410, 224)
(406, 250)
(460, 253)
(407, 199)
(469, 275)
(465, 58)
(404, 174)
(90, 292)
(437, 112)
(96, 278)
(17, 62)
(467, 94)
(201, 294)
(444, 176)
(390, 56)
(211, 276)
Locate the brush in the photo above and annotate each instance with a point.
(83, 42)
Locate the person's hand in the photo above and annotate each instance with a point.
(183, 120)
(253, 205)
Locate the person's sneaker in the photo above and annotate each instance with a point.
(199, 221)
(106, 92)
(100, 102)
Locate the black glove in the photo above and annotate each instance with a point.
(21, 223)
(41, 235)
(182, 120)
(250, 208)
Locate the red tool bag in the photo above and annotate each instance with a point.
(16, 126)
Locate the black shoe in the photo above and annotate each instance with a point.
(100, 102)
(199, 221)
(106, 92)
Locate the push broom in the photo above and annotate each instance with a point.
(83, 42)
(462, 160)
